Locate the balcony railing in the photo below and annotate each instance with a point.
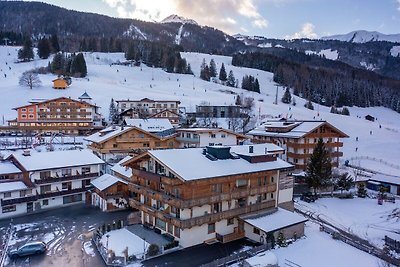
(207, 218)
(237, 234)
(238, 192)
(5, 202)
(66, 178)
(156, 177)
(189, 140)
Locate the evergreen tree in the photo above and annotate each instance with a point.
(189, 69)
(333, 110)
(54, 43)
(57, 64)
(26, 52)
(222, 73)
(361, 191)
(319, 168)
(345, 111)
(344, 182)
(213, 68)
(281, 240)
(256, 86)
(78, 66)
(113, 113)
(231, 79)
(287, 97)
(44, 48)
(238, 101)
(205, 73)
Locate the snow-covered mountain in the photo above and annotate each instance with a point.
(364, 36)
(178, 19)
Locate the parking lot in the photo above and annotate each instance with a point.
(66, 231)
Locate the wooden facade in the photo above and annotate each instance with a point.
(172, 116)
(61, 114)
(298, 149)
(133, 141)
(114, 197)
(170, 202)
(60, 83)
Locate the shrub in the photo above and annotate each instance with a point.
(153, 250)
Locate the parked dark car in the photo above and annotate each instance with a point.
(308, 197)
(28, 249)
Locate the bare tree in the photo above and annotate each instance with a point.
(30, 79)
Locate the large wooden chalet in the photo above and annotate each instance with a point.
(198, 195)
(298, 138)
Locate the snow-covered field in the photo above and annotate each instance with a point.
(120, 82)
(362, 217)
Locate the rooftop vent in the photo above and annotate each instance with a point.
(26, 153)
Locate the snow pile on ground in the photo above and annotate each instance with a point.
(319, 249)
(358, 216)
(121, 239)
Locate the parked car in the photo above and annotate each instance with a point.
(28, 249)
(308, 197)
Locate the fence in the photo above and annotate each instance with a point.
(239, 256)
(392, 244)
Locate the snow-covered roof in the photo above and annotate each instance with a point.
(207, 130)
(57, 159)
(7, 167)
(385, 179)
(299, 128)
(191, 164)
(85, 95)
(271, 222)
(151, 125)
(106, 134)
(118, 168)
(105, 181)
(12, 186)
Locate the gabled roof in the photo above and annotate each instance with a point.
(300, 129)
(59, 79)
(151, 125)
(105, 181)
(85, 95)
(191, 164)
(56, 159)
(125, 171)
(55, 99)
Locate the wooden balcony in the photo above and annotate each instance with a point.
(298, 155)
(66, 178)
(231, 237)
(5, 202)
(312, 145)
(236, 193)
(207, 218)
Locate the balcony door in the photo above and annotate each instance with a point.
(29, 207)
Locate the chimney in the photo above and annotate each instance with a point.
(26, 153)
(251, 149)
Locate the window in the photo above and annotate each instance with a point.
(10, 208)
(30, 116)
(272, 179)
(7, 194)
(272, 195)
(72, 199)
(141, 135)
(256, 231)
(45, 188)
(217, 207)
(66, 172)
(212, 135)
(230, 221)
(177, 231)
(85, 170)
(146, 145)
(210, 144)
(45, 202)
(85, 182)
(160, 224)
(44, 175)
(259, 181)
(115, 145)
(223, 135)
(241, 182)
(211, 228)
(66, 186)
(157, 144)
(23, 193)
(242, 202)
(30, 109)
(23, 116)
(170, 228)
(217, 188)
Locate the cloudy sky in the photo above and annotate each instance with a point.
(271, 18)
